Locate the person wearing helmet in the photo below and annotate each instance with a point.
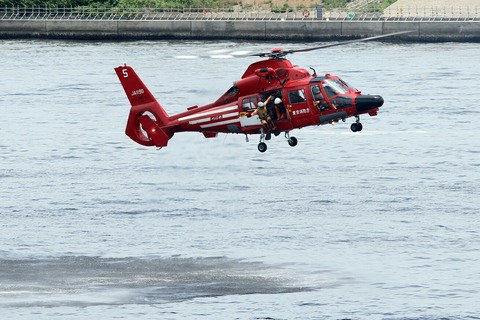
(263, 115)
(279, 108)
(318, 99)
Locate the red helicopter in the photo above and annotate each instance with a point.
(273, 96)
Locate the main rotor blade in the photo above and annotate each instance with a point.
(340, 43)
(328, 45)
(277, 53)
(218, 54)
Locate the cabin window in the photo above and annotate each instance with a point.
(296, 96)
(249, 103)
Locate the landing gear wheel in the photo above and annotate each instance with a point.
(262, 147)
(356, 127)
(292, 141)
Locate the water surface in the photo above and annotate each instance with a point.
(381, 224)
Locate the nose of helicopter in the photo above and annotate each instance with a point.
(366, 102)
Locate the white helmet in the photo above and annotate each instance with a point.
(277, 101)
(261, 104)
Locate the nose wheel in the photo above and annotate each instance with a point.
(356, 126)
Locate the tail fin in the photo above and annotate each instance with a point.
(148, 121)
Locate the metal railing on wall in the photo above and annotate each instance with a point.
(186, 13)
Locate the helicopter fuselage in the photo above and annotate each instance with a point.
(294, 99)
(306, 100)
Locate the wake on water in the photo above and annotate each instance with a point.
(85, 281)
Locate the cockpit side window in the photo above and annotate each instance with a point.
(318, 98)
(249, 103)
(316, 93)
(296, 96)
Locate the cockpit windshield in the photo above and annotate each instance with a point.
(347, 85)
(334, 87)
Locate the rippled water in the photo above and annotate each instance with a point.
(381, 224)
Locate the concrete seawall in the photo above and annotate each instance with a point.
(254, 30)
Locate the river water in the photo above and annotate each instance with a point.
(380, 224)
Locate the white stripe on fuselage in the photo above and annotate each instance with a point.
(228, 115)
(220, 123)
(219, 117)
(199, 121)
(207, 113)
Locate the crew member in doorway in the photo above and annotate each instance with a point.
(279, 108)
(263, 115)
